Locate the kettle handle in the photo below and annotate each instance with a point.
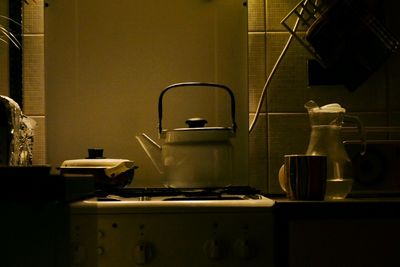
(160, 100)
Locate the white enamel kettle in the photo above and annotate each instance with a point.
(195, 156)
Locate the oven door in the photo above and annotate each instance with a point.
(152, 235)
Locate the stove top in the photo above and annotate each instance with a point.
(180, 194)
(133, 200)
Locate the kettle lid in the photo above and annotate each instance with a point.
(197, 132)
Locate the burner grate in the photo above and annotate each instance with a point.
(182, 193)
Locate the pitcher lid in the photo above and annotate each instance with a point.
(333, 107)
(312, 107)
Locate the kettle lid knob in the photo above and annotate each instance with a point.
(196, 122)
(95, 153)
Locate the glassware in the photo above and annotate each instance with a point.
(326, 126)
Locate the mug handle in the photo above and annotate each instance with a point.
(283, 181)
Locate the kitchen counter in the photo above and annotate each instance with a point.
(349, 232)
(347, 208)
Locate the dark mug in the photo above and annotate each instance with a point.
(305, 176)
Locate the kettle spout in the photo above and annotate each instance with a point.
(153, 151)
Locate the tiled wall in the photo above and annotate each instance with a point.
(33, 74)
(283, 126)
(4, 74)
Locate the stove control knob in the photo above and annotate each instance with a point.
(213, 249)
(243, 249)
(142, 253)
(79, 254)
(100, 234)
(100, 251)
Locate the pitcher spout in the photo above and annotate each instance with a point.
(153, 151)
(310, 105)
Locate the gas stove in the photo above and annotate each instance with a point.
(215, 193)
(230, 226)
(227, 196)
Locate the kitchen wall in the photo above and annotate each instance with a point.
(283, 126)
(102, 89)
(4, 74)
(33, 74)
(33, 70)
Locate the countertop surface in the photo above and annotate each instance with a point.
(357, 231)
(354, 207)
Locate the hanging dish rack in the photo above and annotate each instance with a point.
(343, 36)
(306, 12)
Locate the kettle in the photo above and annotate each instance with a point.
(194, 156)
(326, 125)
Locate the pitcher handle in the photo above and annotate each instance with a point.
(160, 102)
(356, 120)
